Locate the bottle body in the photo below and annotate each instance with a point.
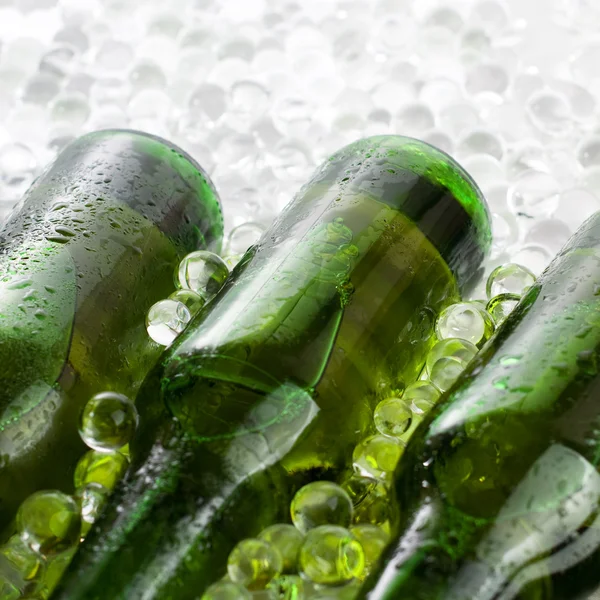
(501, 491)
(84, 255)
(275, 380)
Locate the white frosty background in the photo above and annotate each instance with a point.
(261, 91)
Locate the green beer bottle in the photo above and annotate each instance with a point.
(91, 246)
(274, 382)
(499, 488)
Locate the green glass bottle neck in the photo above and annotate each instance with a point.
(429, 187)
(146, 173)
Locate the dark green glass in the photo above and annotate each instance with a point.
(499, 488)
(274, 382)
(83, 256)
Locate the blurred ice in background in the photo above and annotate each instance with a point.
(261, 91)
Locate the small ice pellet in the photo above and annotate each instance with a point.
(373, 540)
(509, 279)
(286, 539)
(486, 170)
(550, 233)
(70, 107)
(392, 417)
(286, 587)
(501, 306)
(454, 347)
(49, 522)
(487, 77)
(532, 256)
(331, 555)
(377, 456)
(534, 194)
(550, 113)
(446, 371)
(202, 272)
(588, 151)
(226, 590)
(321, 503)
(253, 563)
(421, 391)
(242, 237)
(17, 165)
(108, 421)
(166, 320)
(479, 141)
(104, 468)
(194, 302)
(91, 498)
(466, 321)
(414, 119)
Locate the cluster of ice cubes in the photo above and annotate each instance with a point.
(260, 92)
